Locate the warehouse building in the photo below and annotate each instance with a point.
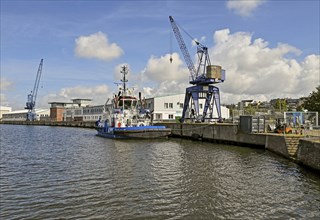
(4, 110)
(21, 115)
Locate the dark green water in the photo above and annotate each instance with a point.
(69, 173)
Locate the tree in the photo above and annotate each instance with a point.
(281, 105)
(250, 110)
(312, 103)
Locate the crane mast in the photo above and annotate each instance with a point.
(32, 97)
(201, 78)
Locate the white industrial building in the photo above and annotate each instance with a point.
(162, 108)
(21, 115)
(92, 113)
(165, 107)
(170, 107)
(4, 110)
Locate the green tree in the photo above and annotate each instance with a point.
(281, 105)
(250, 110)
(300, 108)
(312, 103)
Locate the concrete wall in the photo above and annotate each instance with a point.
(84, 124)
(277, 144)
(216, 132)
(309, 154)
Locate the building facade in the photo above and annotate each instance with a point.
(4, 110)
(169, 108)
(92, 113)
(21, 115)
(162, 108)
(68, 111)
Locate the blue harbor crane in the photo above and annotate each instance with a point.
(32, 97)
(202, 78)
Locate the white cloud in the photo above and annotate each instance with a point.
(165, 88)
(254, 70)
(5, 85)
(99, 95)
(3, 99)
(244, 7)
(161, 69)
(165, 77)
(97, 46)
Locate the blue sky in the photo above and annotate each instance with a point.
(269, 49)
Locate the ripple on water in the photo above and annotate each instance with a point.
(53, 173)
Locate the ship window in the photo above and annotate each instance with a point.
(127, 104)
(134, 103)
(120, 103)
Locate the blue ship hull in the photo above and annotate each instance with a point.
(141, 132)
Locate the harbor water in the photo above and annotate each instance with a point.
(69, 173)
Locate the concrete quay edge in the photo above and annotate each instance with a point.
(303, 151)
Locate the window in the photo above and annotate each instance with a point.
(127, 104)
(181, 105)
(170, 105)
(165, 105)
(170, 116)
(201, 106)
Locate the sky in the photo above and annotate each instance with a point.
(269, 49)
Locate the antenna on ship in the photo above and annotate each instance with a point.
(124, 71)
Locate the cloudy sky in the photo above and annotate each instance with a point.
(269, 49)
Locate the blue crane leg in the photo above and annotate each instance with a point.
(185, 105)
(217, 102)
(195, 97)
(207, 104)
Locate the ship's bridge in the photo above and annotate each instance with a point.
(127, 102)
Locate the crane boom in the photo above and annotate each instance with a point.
(32, 97)
(36, 84)
(183, 49)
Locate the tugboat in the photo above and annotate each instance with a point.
(127, 117)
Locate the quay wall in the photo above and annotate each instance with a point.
(84, 124)
(227, 133)
(277, 144)
(309, 154)
(303, 151)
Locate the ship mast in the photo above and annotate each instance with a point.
(124, 72)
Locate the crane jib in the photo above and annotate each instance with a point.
(32, 97)
(183, 49)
